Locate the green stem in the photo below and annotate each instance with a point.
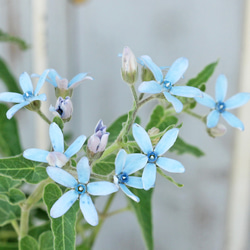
(132, 87)
(194, 114)
(15, 226)
(119, 211)
(43, 116)
(27, 205)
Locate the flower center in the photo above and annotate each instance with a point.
(220, 107)
(122, 178)
(27, 95)
(152, 157)
(80, 188)
(167, 85)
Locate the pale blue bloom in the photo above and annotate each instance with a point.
(154, 156)
(166, 85)
(29, 95)
(58, 82)
(126, 164)
(220, 107)
(80, 189)
(58, 157)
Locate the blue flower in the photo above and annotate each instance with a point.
(58, 157)
(220, 106)
(166, 85)
(126, 164)
(154, 155)
(80, 189)
(58, 82)
(29, 95)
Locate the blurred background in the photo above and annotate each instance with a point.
(211, 210)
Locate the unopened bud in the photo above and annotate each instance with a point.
(217, 131)
(129, 66)
(98, 141)
(63, 108)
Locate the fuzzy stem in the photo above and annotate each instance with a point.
(27, 205)
(43, 116)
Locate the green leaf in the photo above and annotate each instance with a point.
(20, 168)
(5, 37)
(169, 178)
(7, 77)
(46, 241)
(161, 119)
(143, 213)
(9, 136)
(203, 76)
(35, 232)
(181, 147)
(28, 243)
(105, 166)
(115, 128)
(16, 195)
(63, 228)
(7, 183)
(8, 212)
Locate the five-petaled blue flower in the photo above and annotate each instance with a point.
(166, 85)
(154, 155)
(126, 164)
(81, 189)
(58, 157)
(220, 106)
(29, 95)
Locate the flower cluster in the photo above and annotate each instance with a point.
(139, 155)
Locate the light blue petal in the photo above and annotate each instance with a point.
(177, 70)
(177, 104)
(11, 97)
(129, 193)
(88, 209)
(41, 81)
(213, 119)
(78, 79)
(52, 75)
(120, 161)
(56, 137)
(232, 120)
(151, 87)
(149, 176)
(170, 165)
(61, 176)
(134, 162)
(25, 82)
(142, 138)
(83, 170)
(220, 88)
(101, 188)
(15, 108)
(237, 100)
(186, 91)
(63, 204)
(36, 154)
(41, 97)
(206, 100)
(135, 182)
(167, 141)
(75, 146)
(156, 71)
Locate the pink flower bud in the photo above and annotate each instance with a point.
(98, 141)
(63, 108)
(129, 66)
(217, 131)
